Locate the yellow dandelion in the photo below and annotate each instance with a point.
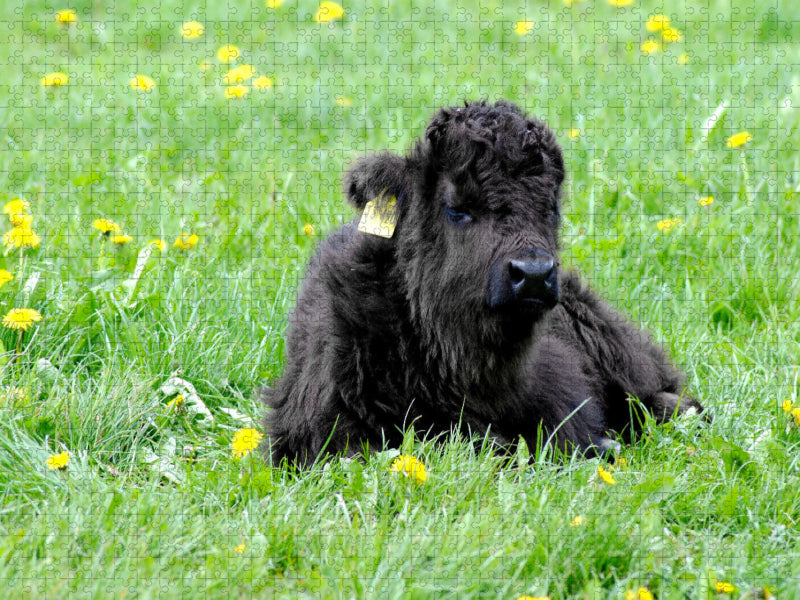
(239, 549)
(657, 23)
(329, 11)
(308, 229)
(192, 30)
(262, 82)
(526, 597)
(683, 59)
(738, 139)
(410, 467)
(787, 405)
(21, 237)
(236, 91)
(204, 65)
(106, 226)
(5, 277)
(724, 587)
(671, 35)
(228, 53)
(667, 225)
(66, 17)
(795, 412)
(21, 319)
(176, 402)
(577, 521)
(650, 47)
(23, 221)
(238, 74)
(123, 238)
(344, 101)
(620, 3)
(57, 461)
(160, 244)
(523, 27)
(605, 475)
(17, 211)
(641, 594)
(574, 133)
(186, 241)
(274, 3)
(245, 441)
(706, 200)
(54, 79)
(143, 83)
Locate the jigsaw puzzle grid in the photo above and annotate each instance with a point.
(166, 171)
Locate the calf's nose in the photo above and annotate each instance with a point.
(532, 278)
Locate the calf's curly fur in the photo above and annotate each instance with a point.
(462, 318)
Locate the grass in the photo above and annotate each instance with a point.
(152, 502)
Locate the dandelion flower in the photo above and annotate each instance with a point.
(245, 441)
(641, 594)
(66, 17)
(650, 47)
(192, 30)
(706, 200)
(671, 35)
(17, 211)
(667, 225)
(21, 237)
(54, 79)
(329, 11)
(523, 27)
(795, 412)
(236, 91)
(344, 101)
(274, 3)
(186, 241)
(176, 402)
(605, 475)
(143, 83)
(787, 405)
(724, 587)
(121, 238)
(683, 59)
(228, 53)
(577, 521)
(239, 549)
(410, 467)
(106, 226)
(526, 597)
(620, 3)
(657, 23)
(308, 229)
(5, 277)
(739, 139)
(21, 318)
(57, 461)
(239, 74)
(160, 244)
(262, 82)
(574, 133)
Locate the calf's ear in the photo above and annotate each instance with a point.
(373, 175)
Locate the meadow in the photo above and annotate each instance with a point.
(166, 170)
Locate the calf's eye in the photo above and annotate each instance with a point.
(457, 217)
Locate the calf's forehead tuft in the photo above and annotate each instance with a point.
(482, 135)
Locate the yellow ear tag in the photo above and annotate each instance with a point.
(379, 216)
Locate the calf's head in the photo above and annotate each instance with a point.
(477, 234)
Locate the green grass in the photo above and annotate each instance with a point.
(152, 502)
